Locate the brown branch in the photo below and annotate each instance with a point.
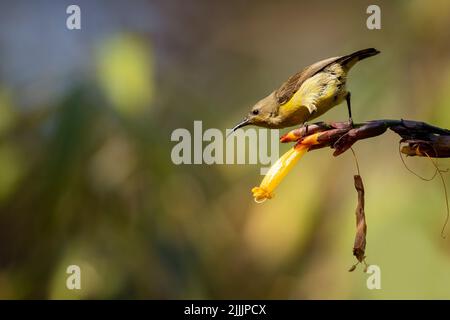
(421, 139)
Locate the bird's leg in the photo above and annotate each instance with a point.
(312, 110)
(305, 124)
(349, 107)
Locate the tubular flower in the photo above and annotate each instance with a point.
(281, 168)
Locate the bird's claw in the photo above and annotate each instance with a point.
(305, 125)
(350, 123)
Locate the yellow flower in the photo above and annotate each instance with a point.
(281, 168)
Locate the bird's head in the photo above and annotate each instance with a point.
(263, 114)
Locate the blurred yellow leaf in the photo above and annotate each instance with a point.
(125, 72)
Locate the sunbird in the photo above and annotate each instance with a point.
(307, 94)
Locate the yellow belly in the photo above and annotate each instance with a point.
(316, 96)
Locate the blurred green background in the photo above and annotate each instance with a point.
(86, 176)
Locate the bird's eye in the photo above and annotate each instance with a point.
(255, 111)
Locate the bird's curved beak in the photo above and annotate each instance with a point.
(241, 124)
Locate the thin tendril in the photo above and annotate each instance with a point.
(356, 160)
(439, 171)
(414, 173)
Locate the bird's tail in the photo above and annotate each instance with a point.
(351, 59)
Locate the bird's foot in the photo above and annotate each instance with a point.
(305, 125)
(350, 123)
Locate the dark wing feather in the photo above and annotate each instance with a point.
(291, 86)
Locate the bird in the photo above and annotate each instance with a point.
(307, 94)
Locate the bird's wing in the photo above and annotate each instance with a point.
(290, 87)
